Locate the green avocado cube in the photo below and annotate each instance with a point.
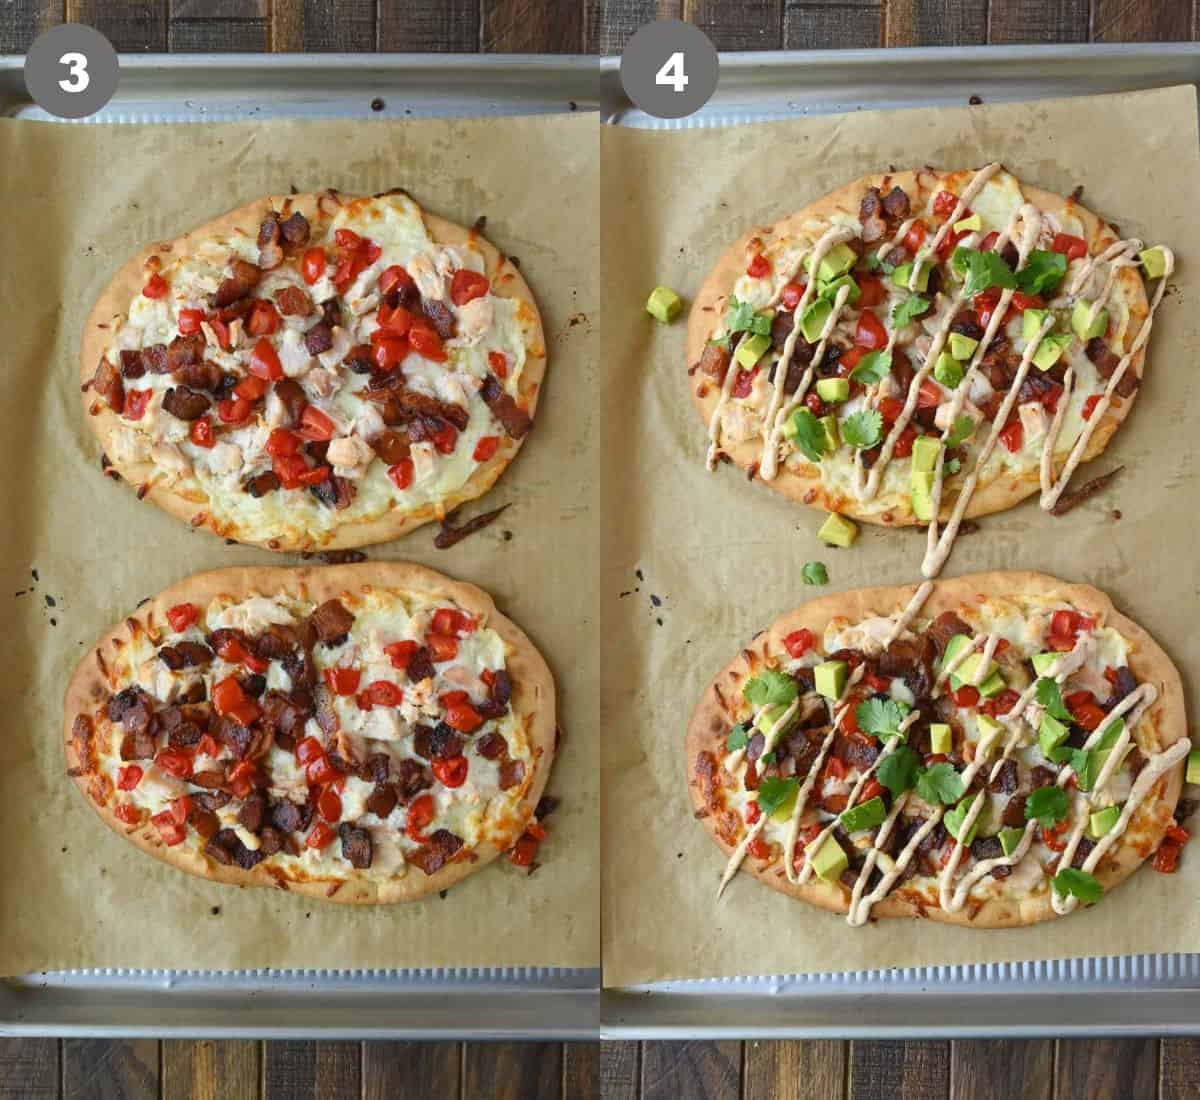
(903, 272)
(830, 678)
(829, 861)
(1082, 323)
(1051, 734)
(948, 370)
(866, 815)
(922, 495)
(1042, 662)
(783, 812)
(941, 737)
(751, 350)
(664, 304)
(812, 321)
(1103, 821)
(962, 347)
(1050, 350)
(993, 685)
(837, 261)
(954, 819)
(770, 718)
(837, 531)
(833, 439)
(987, 726)
(954, 647)
(833, 390)
(1032, 321)
(965, 673)
(830, 290)
(925, 452)
(1193, 766)
(1154, 262)
(1009, 839)
(971, 224)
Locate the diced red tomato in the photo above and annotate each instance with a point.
(468, 285)
(128, 777)
(791, 294)
(393, 277)
(869, 332)
(965, 696)
(221, 331)
(251, 388)
(347, 270)
(182, 615)
(523, 852)
(758, 848)
(264, 362)
(175, 763)
(799, 642)
(929, 396)
(329, 805)
(835, 767)
(944, 203)
(398, 320)
(743, 381)
(282, 442)
(1178, 833)
(989, 241)
(402, 473)
(463, 717)
(315, 425)
(1073, 248)
(450, 772)
(135, 403)
(1167, 857)
(401, 653)
(189, 320)
(871, 290)
(915, 237)
(347, 240)
(904, 442)
(244, 777)
(234, 410)
(848, 360)
(1050, 397)
(384, 693)
(814, 404)
(753, 812)
(312, 265)
(128, 813)
(949, 243)
(442, 647)
(1089, 406)
(849, 723)
(308, 750)
(1022, 301)
(169, 830)
(227, 694)
(263, 319)
(759, 266)
(1013, 435)
(872, 789)
(207, 746)
(425, 341)
(320, 837)
(449, 620)
(877, 683)
(1001, 703)
(342, 681)
(421, 812)
(445, 439)
(890, 409)
(1086, 711)
(156, 286)
(499, 363)
(486, 448)
(320, 771)
(1055, 838)
(450, 698)
(201, 432)
(387, 350)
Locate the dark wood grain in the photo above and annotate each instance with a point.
(809, 26)
(110, 1069)
(523, 26)
(935, 23)
(619, 19)
(750, 25)
(694, 1069)
(620, 1070)
(430, 26)
(218, 35)
(1179, 1069)
(133, 26)
(312, 1071)
(899, 1071)
(1141, 20)
(513, 1071)
(411, 1071)
(794, 1070)
(29, 1069)
(1106, 1069)
(996, 1069)
(1039, 21)
(211, 1069)
(581, 1071)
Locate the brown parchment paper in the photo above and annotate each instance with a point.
(77, 551)
(723, 557)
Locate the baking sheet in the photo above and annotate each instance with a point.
(699, 563)
(78, 201)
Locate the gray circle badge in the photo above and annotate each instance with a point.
(669, 68)
(71, 71)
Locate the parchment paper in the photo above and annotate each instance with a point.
(78, 200)
(724, 556)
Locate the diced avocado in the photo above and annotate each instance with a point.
(1082, 324)
(829, 861)
(830, 290)
(783, 812)
(833, 439)
(1050, 350)
(954, 647)
(1032, 321)
(833, 390)
(987, 726)
(922, 495)
(1051, 734)
(972, 224)
(1154, 262)
(866, 815)
(837, 261)
(903, 272)
(1102, 821)
(965, 673)
(993, 685)
(962, 347)
(830, 678)
(948, 370)
(838, 531)
(664, 304)
(1043, 661)
(953, 820)
(941, 737)
(1009, 839)
(924, 453)
(770, 716)
(812, 321)
(1193, 766)
(751, 350)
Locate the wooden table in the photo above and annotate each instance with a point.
(233, 1070)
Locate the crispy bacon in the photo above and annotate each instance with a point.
(515, 419)
(295, 230)
(356, 845)
(331, 620)
(293, 301)
(873, 225)
(432, 855)
(243, 278)
(270, 255)
(108, 384)
(185, 403)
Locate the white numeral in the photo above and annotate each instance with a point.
(672, 73)
(77, 66)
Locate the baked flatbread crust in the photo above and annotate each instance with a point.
(1147, 660)
(98, 331)
(533, 699)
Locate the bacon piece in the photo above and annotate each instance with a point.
(511, 773)
(331, 620)
(185, 350)
(293, 301)
(420, 666)
(515, 419)
(944, 627)
(243, 278)
(131, 364)
(438, 742)
(319, 338)
(382, 800)
(896, 205)
(873, 225)
(253, 813)
(295, 230)
(432, 855)
(1088, 489)
(441, 316)
(451, 536)
(356, 845)
(262, 484)
(108, 384)
(391, 447)
(185, 403)
(270, 255)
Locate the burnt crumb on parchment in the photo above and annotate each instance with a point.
(1116, 513)
(215, 911)
(1088, 489)
(975, 101)
(572, 105)
(659, 621)
(656, 600)
(335, 557)
(34, 574)
(637, 573)
(53, 622)
(51, 601)
(479, 224)
(442, 894)
(450, 535)
(231, 542)
(377, 104)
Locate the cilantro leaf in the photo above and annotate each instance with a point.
(982, 270)
(814, 572)
(1048, 804)
(768, 757)
(952, 467)
(963, 427)
(770, 688)
(1070, 880)
(940, 783)
(912, 307)
(742, 318)
(737, 738)
(899, 769)
(881, 717)
(773, 792)
(863, 428)
(872, 367)
(1043, 271)
(806, 431)
(1049, 694)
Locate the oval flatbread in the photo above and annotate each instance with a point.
(965, 340)
(1013, 748)
(314, 371)
(365, 733)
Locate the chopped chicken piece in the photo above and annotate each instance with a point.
(225, 458)
(293, 355)
(321, 382)
(423, 456)
(129, 446)
(429, 282)
(171, 460)
(350, 456)
(1034, 420)
(341, 345)
(474, 320)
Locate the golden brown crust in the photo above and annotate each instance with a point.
(533, 700)
(507, 282)
(995, 496)
(1147, 660)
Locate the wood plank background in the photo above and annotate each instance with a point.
(232, 1070)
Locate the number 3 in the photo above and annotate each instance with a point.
(672, 73)
(77, 66)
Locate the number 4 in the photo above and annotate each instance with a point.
(77, 66)
(672, 73)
